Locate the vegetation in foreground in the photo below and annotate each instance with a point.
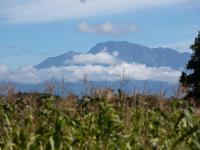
(40, 121)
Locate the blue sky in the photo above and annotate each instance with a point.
(32, 30)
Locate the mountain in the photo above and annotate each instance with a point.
(128, 52)
(153, 57)
(56, 61)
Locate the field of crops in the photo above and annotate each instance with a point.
(40, 122)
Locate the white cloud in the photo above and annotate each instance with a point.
(107, 28)
(32, 11)
(102, 57)
(4, 71)
(132, 71)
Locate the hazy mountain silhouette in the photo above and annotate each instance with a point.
(56, 61)
(154, 57)
(128, 52)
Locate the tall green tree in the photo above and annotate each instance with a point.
(191, 79)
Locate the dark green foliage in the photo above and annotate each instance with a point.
(96, 123)
(191, 80)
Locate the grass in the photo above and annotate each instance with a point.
(32, 121)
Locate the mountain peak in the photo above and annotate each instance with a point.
(128, 52)
(56, 61)
(116, 46)
(117, 42)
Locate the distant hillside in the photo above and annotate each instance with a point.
(128, 52)
(154, 57)
(56, 61)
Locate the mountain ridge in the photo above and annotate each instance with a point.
(128, 52)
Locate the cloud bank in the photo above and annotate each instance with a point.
(33, 11)
(98, 67)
